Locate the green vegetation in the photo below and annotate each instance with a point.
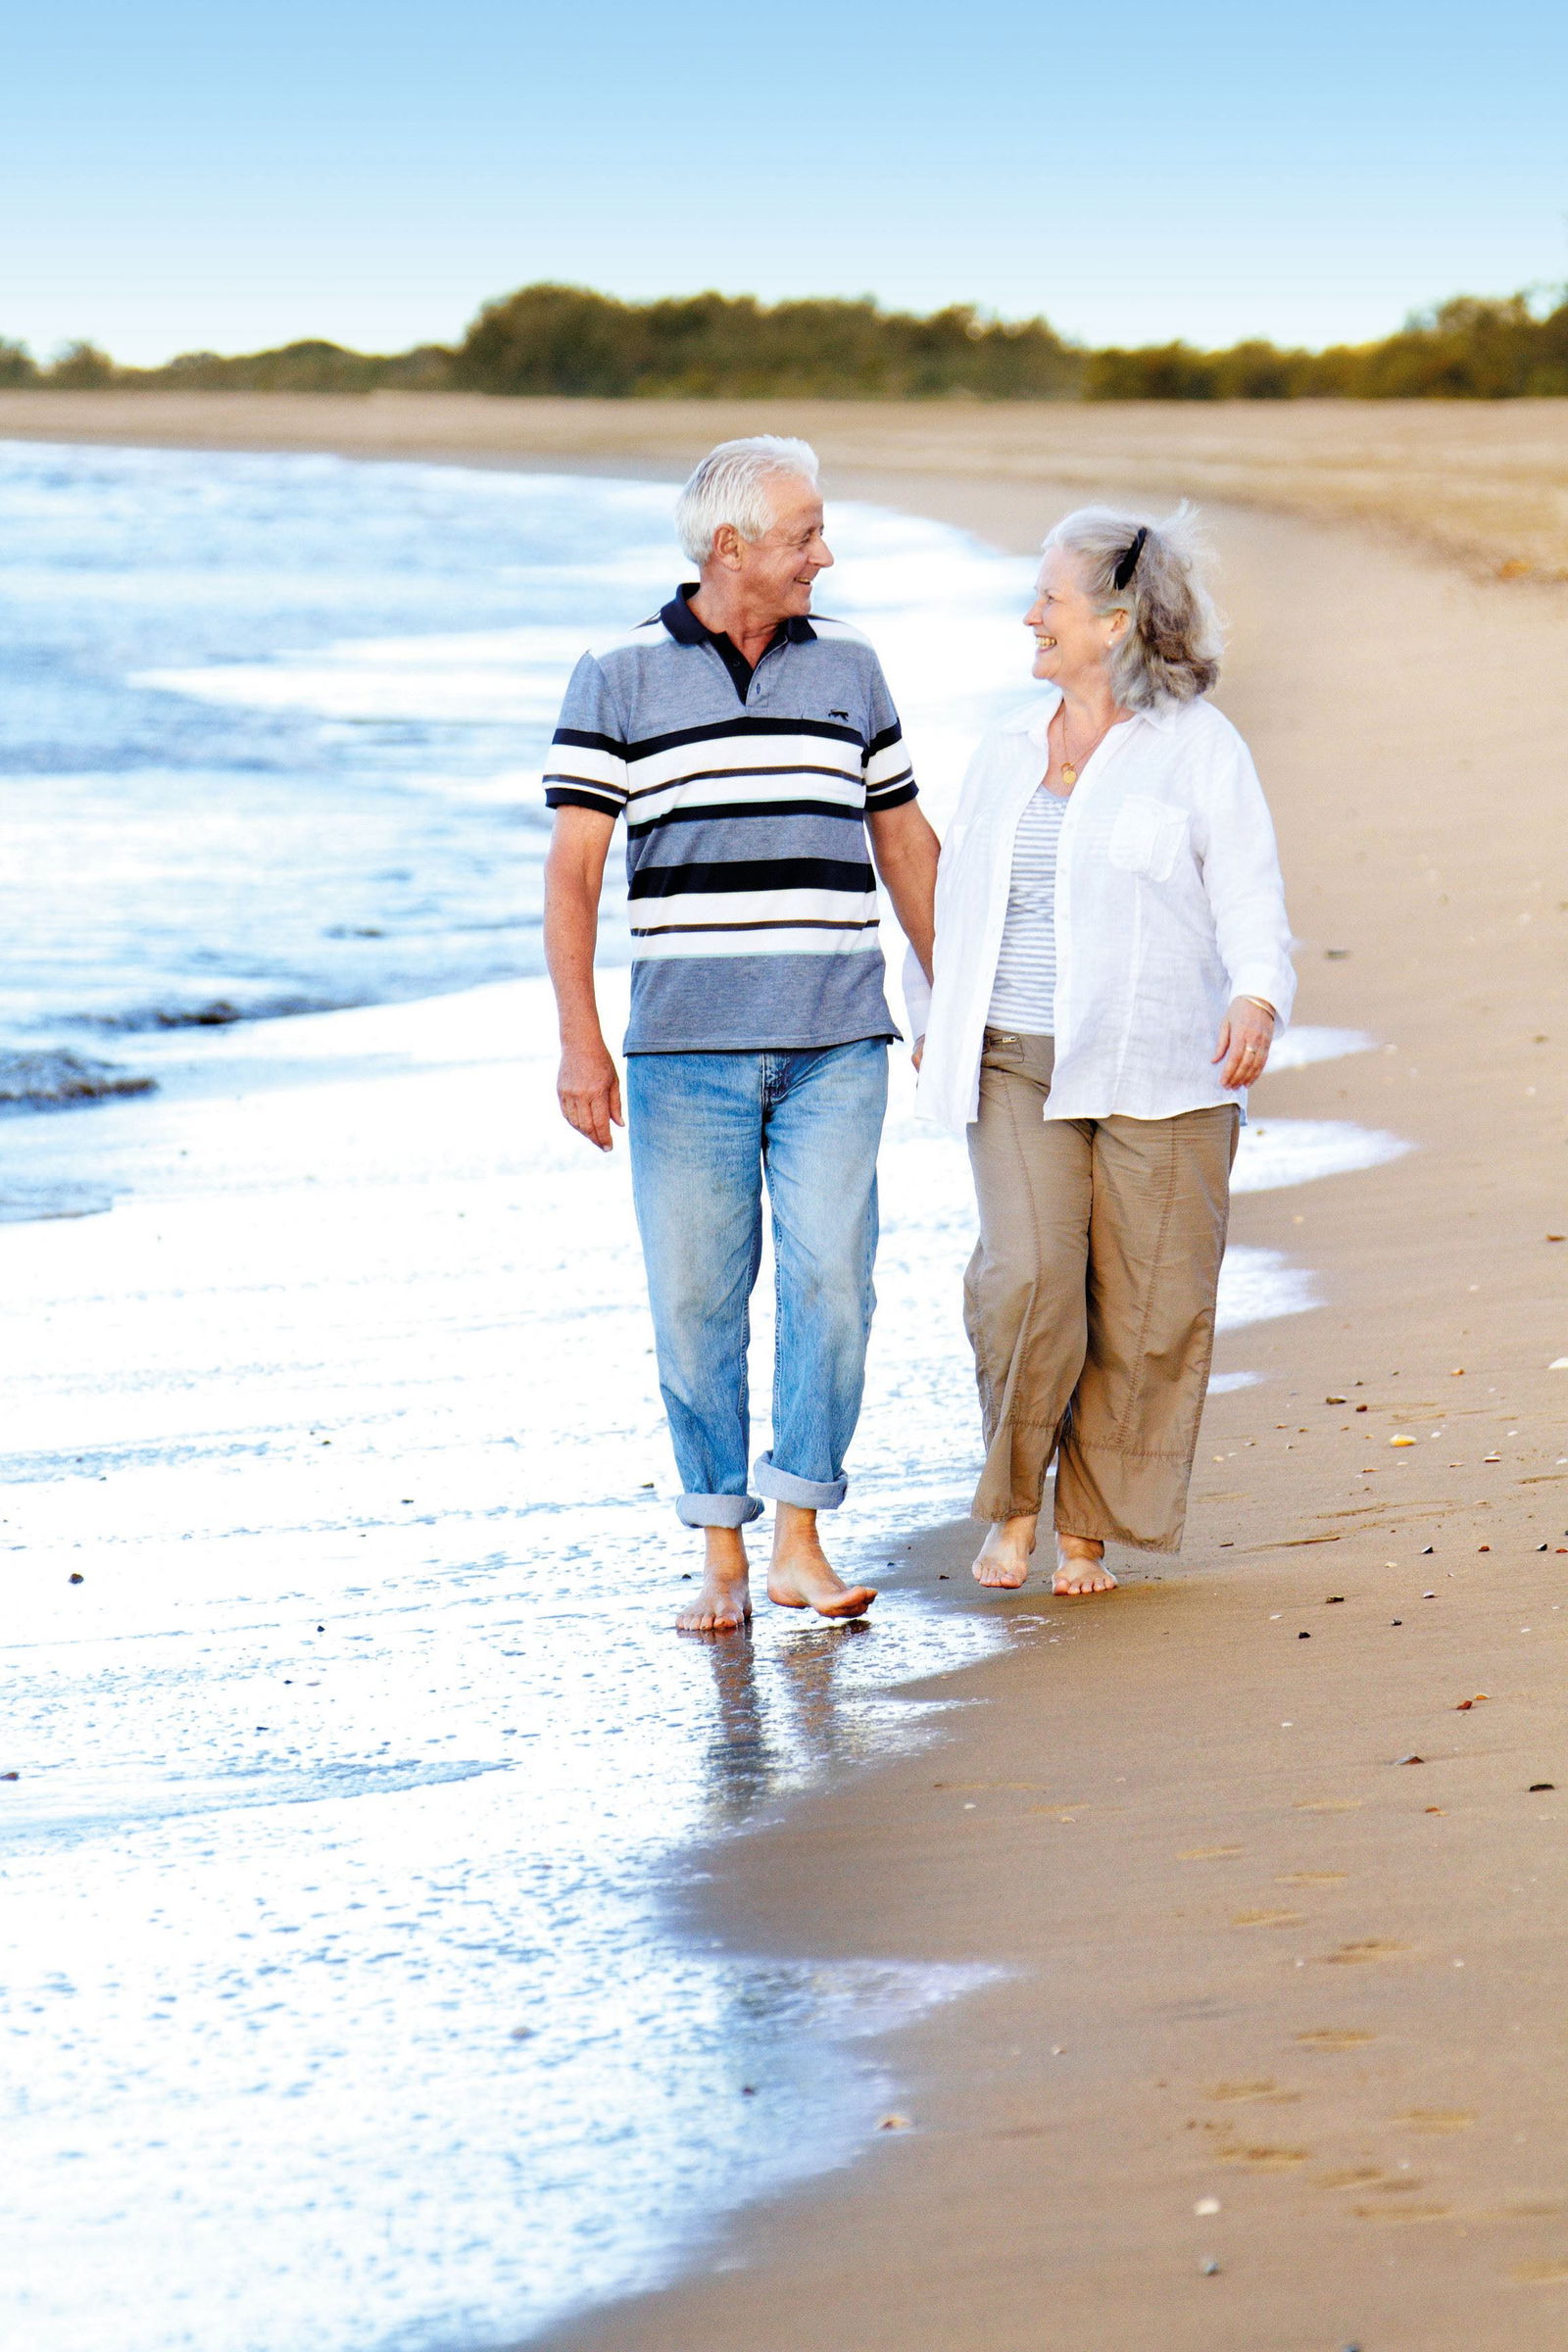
(570, 340)
(566, 339)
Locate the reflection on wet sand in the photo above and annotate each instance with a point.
(775, 1717)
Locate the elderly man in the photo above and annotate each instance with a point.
(750, 750)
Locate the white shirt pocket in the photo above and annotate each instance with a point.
(1146, 837)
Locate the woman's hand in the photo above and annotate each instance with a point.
(1245, 1036)
(917, 1049)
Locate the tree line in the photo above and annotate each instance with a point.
(569, 340)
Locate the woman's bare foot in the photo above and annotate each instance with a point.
(1003, 1557)
(722, 1604)
(1081, 1567)
(800, 1577)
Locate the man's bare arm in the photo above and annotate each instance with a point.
(588, 1086)
(906, 851)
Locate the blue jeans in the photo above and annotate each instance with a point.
(705, 1129)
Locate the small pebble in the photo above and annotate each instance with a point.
(1209, 2267)
(77, 1577)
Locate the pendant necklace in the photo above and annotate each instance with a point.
(1069, 773)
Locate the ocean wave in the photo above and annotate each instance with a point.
(221, 1012)
(57, 1077)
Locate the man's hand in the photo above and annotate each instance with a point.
(1245, 1036)
(589, 1092)
(917, 1049)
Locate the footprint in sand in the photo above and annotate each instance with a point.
(1369, 1948)
(1435, 2119)
(1333, 2038)
(1269, 1919)
(1539, 2273)
(1401, 2213)
(1311, 1878)
(1268, 2091)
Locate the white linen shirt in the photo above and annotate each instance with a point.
(1169, 903)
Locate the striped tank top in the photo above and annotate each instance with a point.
(1023, 995)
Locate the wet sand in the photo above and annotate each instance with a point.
(1254, 1957)
(1484, 482)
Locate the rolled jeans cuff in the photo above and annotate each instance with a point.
(718, 1510)
(806, 1493)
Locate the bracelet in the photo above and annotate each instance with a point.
(1263, 1005)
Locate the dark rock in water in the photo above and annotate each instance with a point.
(217, 1016)
(221, 1012)
(65, 1077)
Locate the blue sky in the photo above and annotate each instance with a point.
(177, 176)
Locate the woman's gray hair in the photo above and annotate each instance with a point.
(1170, 651)
(730, 485)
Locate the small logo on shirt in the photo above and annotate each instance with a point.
(838, 714)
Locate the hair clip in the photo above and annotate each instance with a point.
(1129, 562)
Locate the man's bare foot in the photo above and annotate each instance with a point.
(1081, 1567)
(722, 1604)
(800, 1576)
(1003, 1557)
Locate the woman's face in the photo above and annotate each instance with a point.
(1071, 639)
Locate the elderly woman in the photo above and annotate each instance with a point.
(1112, 966)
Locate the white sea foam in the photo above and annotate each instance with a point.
(1303, 1044)
(1275, 1153)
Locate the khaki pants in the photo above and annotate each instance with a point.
(1090, 1301)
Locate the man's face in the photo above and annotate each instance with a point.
(776, 572)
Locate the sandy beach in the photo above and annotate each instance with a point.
(1261, 1965)
(1481, 482)
(1273, 2058)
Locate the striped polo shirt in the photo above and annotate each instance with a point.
(753, 901)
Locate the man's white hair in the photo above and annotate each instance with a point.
(730, 485)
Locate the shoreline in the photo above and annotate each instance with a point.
(1480, 483)
(1282, 1971)
(1170, 1984)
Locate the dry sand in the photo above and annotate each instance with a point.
(1252, 1957)
(1485, 482)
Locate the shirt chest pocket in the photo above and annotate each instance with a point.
(1148, 837)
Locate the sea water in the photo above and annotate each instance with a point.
(343, 2009)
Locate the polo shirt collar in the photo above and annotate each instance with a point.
(686, 629)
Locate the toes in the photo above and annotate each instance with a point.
(852, 1603)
